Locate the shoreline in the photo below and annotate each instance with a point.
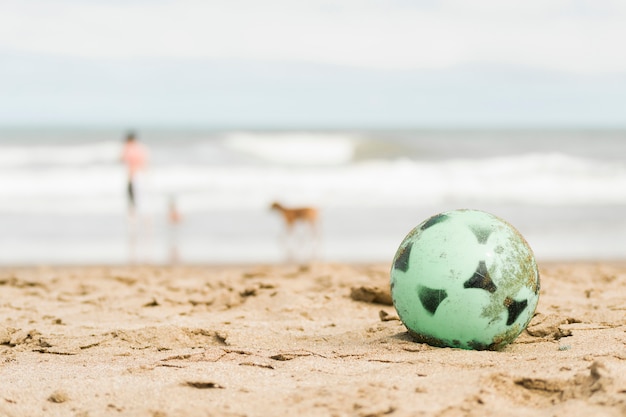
(272, 339)
(617, 263)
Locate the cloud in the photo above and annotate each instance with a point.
(562, 35)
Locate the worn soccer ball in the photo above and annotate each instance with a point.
(465, 279)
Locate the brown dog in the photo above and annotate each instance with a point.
(298, 245)
(300, 214)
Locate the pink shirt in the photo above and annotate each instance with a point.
(135, 156)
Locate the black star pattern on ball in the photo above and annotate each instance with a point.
(481, 279)
(431, 298)
(515, 309)
(402, 260)
(482, 233)
(438, 218)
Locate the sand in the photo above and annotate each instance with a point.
(293, 340)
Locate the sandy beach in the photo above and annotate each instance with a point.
(271, 340)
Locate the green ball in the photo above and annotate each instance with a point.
(465, 279)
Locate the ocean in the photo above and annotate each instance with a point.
(63, 201)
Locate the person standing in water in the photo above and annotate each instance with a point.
(135, 156)
(174, 219)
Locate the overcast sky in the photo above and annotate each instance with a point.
(313, 63)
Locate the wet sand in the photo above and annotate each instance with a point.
(271, 340)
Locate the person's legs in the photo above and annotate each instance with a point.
(131, 196)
